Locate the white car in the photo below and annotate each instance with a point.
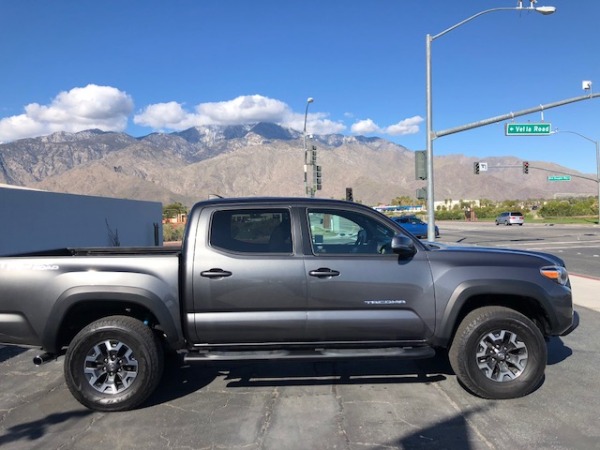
(510, 218)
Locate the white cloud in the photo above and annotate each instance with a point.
(366, 126)
(406, 126)
(79, 109)
(240, 110)
(318, 124)
(244, 109)
(165, 115)
(108, 108)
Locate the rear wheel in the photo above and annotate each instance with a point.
(113, 364)
(498, 353)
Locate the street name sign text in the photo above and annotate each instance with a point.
(527, 129)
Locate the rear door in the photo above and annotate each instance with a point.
(357, 289)
(248, 280)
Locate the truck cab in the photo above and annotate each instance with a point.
(272, 272)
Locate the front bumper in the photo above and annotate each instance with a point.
(574, 324)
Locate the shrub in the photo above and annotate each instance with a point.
(173, 232)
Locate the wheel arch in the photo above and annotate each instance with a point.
(80, 306)
(517, 295)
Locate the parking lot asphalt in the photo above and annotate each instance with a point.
(354, 405)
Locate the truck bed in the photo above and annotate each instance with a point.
(103, 251)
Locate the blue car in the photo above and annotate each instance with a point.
(414, 225)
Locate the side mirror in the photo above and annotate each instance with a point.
(403, 246)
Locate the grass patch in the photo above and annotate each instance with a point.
(585, 220)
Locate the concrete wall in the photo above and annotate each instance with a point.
(33, 220)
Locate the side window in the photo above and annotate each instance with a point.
(252, 231)
(334, 232)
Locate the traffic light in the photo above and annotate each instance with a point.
(349, 195)
(476, 168)
(420, 165)
(314, 154)
(525, 167)
(319, 177)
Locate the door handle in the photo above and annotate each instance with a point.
(323, 272)
(215, 273)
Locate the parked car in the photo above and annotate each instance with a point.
(509, 218)
(414, 225)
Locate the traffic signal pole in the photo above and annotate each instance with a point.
(511, 115)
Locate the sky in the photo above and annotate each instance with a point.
(161, 66)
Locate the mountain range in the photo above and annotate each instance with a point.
(260, 159)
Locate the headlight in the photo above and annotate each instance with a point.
(556, 273)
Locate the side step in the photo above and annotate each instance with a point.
(311, 354)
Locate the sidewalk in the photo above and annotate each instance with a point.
(586, 291)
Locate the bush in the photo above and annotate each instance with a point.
(450, 215)
(173, 232)
(569, 207)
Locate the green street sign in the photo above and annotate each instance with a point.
(560, 178)
(527, 129)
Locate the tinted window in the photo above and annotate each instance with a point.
(252, 231)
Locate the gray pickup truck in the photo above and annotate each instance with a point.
(284, 278)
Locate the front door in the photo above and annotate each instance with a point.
(357, 289)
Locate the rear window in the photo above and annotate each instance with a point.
(516, 214)
(252, 231)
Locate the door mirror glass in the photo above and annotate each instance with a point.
(403, 246)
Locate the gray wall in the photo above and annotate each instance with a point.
(37, 220)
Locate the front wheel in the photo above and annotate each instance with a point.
(113, 364)
(498, 353)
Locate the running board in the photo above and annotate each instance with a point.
(311, 354)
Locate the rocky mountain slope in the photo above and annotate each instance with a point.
(259, 159)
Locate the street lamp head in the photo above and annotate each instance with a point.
(546, 10)
(310, 100)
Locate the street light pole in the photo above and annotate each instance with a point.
(597, 144)
(309, 100)
(544, 10)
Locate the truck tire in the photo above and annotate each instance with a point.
(113, 364)
(498, 353)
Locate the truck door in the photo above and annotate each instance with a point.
(248, 281)
(357, 289)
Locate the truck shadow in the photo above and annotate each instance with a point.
(9, 352)
(557, 351)
(367, 371)
(181, 379)
(452, 433)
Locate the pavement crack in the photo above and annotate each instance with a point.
(340, 416)
(268, 416)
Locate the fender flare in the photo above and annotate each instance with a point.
(447, 320)
(142, 297)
